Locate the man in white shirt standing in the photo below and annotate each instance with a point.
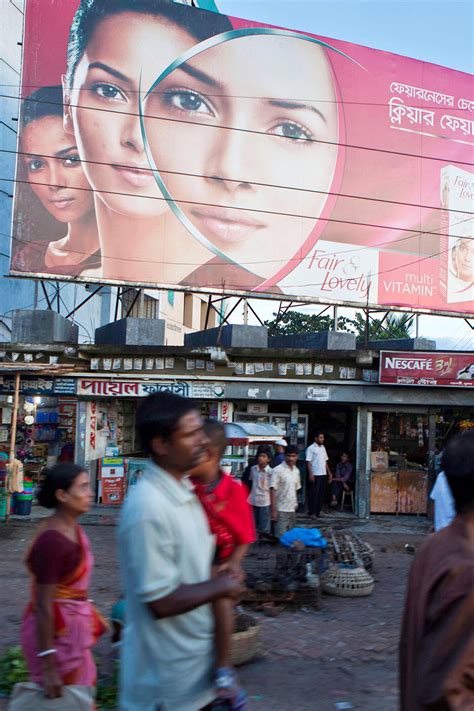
(284, 487)
(166, 551)
(318, 467)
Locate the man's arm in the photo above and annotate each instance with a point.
(273, 502)
(188, 597)
(309, 466)
(329, 472)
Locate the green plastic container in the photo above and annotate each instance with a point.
(3, 504)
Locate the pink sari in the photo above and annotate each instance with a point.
(77, 625)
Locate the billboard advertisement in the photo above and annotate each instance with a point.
(445, 369)
(165, 145)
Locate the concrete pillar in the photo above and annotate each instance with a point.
(364, 438)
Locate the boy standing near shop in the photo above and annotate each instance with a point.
(284, 487)
(224, 501)
(260, 476)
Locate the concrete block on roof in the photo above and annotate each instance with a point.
(132, 332)
(231, 336)
(403, 344)
(42, 326)
(321, 340)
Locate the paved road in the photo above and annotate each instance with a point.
(314, 661)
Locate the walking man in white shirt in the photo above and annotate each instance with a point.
(318, 468)
(284, 487)
(166, 551)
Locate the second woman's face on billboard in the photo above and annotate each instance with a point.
(124, 50)
(254, 121)
(55, 171)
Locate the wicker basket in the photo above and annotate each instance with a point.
(245, 645)
(347, 582)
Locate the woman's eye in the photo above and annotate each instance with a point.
(35, 165)
(188, 101)
(293, 131)
(108, 91)
(72, 160)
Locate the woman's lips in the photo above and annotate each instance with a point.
(136, 177)
(62, 204)
(225, 224)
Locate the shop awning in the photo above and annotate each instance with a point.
(246, 432)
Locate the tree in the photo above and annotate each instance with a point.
(298, 322)
(393, 326)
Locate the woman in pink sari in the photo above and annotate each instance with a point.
(60, 625)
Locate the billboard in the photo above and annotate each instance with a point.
(163, 145)
(445, 369)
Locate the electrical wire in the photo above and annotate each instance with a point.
(220, 284)
(242, 180)
(241, 130)
(241, 209)
(337, 102)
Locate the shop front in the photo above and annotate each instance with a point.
(107, 443)
(45, 421)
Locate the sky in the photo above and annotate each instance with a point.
(441, 32)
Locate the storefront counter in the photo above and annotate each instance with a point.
(399, 491)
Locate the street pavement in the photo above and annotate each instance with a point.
(341, 657)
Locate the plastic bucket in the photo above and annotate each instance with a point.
(23, 506)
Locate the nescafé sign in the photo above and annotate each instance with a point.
(428, 369)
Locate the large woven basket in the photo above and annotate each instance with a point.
(347, 582)
(245, 645)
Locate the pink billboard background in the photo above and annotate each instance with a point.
(395, 227)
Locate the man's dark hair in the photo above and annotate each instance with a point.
(44, 102)
(317, 433)
(215, 432)
(263, 449)
(159, 415)
(457, 462)
(291, 449)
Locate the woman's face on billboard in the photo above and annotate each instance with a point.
(124, 49)
(463, 260)
(275, 96)
(55, 171)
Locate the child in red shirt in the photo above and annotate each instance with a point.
(230, 519)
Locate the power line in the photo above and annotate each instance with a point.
(337, 102)
(241, 130)
(241, 209)
(314, 284)
(253, 182)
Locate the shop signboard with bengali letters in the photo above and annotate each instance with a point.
(424, 369)
(243, 158)
(202, 390)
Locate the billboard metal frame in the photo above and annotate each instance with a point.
(228, 293)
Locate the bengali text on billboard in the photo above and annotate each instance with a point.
(165, 145)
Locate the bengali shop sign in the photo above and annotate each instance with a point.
(242, 157)
(439, 369)
(202, 390)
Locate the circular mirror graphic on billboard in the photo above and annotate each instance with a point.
(242, 135)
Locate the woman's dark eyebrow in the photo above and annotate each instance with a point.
(109, 70)
(200, 75)
(296, 105)
(65, 151)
